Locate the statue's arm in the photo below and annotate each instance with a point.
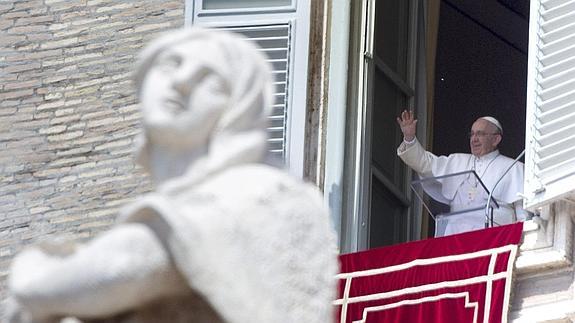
(119, 270)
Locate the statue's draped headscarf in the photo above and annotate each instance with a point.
(240, 132)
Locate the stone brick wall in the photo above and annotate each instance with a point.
(68, 114)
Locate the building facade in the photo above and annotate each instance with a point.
(343, 71)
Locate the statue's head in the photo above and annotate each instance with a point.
(198, 89)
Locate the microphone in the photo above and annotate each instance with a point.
(490, 196)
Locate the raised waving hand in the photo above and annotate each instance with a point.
(408, 124)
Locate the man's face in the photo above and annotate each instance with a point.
(483, 138)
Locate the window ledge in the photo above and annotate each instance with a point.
(547, 244)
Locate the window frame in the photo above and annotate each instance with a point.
(297, 16)
(540, 189)
(359, 170)
(201, 12)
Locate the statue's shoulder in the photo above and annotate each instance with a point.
(245, 187)
(257, 177)
(257, 182)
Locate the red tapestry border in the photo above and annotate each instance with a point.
(460, 278)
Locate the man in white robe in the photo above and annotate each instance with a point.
(464, 192)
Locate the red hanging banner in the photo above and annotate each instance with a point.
(460, 278)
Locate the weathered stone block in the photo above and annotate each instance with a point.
(15, 94)
(33, 20)
(51, 105)
(53, 130)
(119, 7)
(22, 84)
(26, 29)
(60, 43)
(21, 67)
(65, 119)
(66, 136)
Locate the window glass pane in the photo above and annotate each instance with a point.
(391, 32)
(388, 222)
(388, 101)
(240, 4)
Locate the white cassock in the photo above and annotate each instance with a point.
(462, 192)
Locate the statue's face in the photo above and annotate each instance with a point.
(182, 96)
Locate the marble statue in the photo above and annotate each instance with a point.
(223, 237)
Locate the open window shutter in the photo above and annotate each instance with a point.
(281, 31)
(274, 42)
(550, 138)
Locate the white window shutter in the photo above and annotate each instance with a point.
(281, 30)
(550, 137)
(274, 42)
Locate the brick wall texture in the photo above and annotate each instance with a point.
(68, 115)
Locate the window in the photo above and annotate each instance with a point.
(379, 199)
(392, 90)
(242, 5)
(281, 30)
(550, 135)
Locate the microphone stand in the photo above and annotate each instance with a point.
(489, 215)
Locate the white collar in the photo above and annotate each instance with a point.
(488, 156)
